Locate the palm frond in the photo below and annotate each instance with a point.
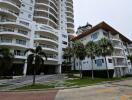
(30, 49)
(30, 59)
(38, 49)
(43, 54)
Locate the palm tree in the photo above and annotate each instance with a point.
(106, 49)
(36, 57)
(91, 50)
(67, 54)
(130, 58)
(6, 61)
(80, 53)
(74, 49)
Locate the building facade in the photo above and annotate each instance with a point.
(118, 64)
(25, 23)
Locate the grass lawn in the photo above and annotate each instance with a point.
(74, 82)
(89, 81)
(36, 86)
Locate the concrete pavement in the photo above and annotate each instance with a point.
(116, 91)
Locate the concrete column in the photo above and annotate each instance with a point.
(59, 69)
(25, 68)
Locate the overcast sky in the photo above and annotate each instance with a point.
(117, 13)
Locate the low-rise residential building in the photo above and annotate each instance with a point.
(118, 64)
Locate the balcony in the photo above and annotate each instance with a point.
(49, 48)
(46, 39)
(8, 12)
(120, 62)
(14, 5)
(10, 31)
(19, 54)
(12, 43)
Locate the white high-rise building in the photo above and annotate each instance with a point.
(24, 23)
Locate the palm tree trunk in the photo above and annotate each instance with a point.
(107, 68)
(34, 73)
(74, 63)
(92, 70)
(80, 69)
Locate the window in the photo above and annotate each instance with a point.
(64, 42)
(25, 23)
(105, 34)
(23, 5)
(110, 60)
(22, 42)
(31, 1)
(99, 62)
(29, 16)
(30, 8)
(94, 35)
(64, 36)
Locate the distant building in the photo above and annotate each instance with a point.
(118, 64)
(82, 29)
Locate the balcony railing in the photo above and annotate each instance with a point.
(7, 20)
(12, 30)
(120, 64)
(48, 46)
(18, 5)
(11, 41)
(9, 11)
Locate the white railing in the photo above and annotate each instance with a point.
(9, 11)
(48, 46)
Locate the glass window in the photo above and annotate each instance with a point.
(95, 35)
(110, 60)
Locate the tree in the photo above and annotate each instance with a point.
(74, 49)
(6, 61)
(68, 54)
(80, 53)
(130, 58)
(36, 57)
(106, 49)
(91, 50)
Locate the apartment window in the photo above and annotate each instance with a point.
(94, 35)
(23, 5)
(64, 36)
(21, 12)
(99, 62)
(25, 23)
(110, 60)
(22, 42)
(64, 42)
(29, 16)
(31, 1)
(105, 34)
(30, 8)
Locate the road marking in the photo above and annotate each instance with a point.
(106, 90)
(123, 98)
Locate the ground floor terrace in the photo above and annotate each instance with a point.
(20, 67)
